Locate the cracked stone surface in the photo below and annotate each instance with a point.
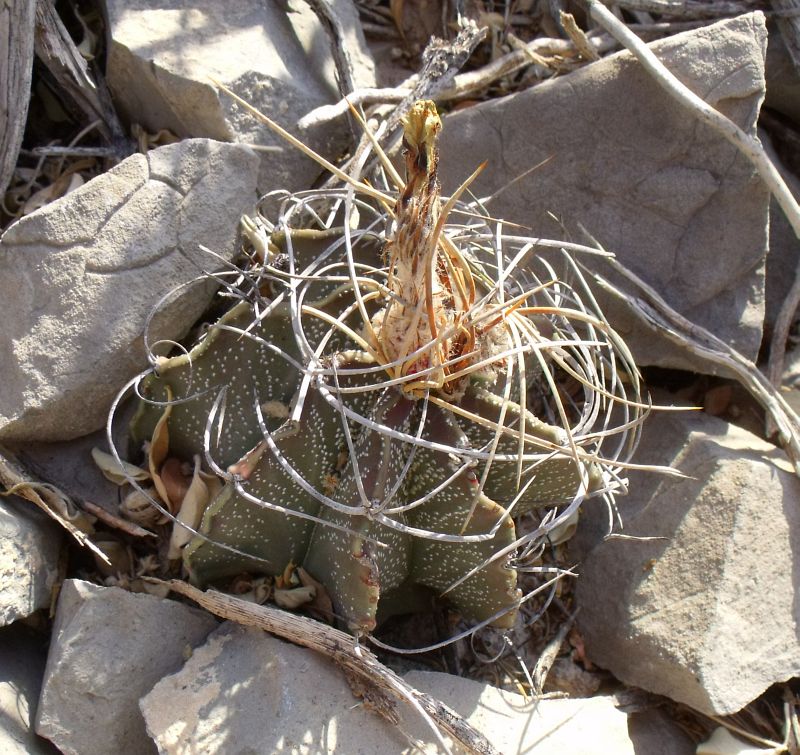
(109, 648)
(29, 550)
(79, 277)
(706, 614)
(676, 203)
(276, 56)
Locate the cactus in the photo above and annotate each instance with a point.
(381, 421)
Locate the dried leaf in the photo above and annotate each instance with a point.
(175, 482)
(247, 464)
(137, 507)
(565, 530)
(118, 555)
(160, 591)
(119, 474)
(213, 483)
(52, 500)
(192, 506)
(158, 450)
(396, 9)
(88, 45)
(61, 187)
(294, 598)
(321, 608)
(289, 579)
(253, 590)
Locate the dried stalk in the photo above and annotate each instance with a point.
(340, 648)
(748, 145)
(786, 313)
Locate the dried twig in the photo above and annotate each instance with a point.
(330, 21)
(748, 145)
(442, 61)
(339, 647)
(463, 84)
(549, 655)
(58, 151)
(130, 528)
(650, 307)
(578, 37)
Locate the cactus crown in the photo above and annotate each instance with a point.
(388, 389)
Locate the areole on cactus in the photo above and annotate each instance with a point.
(386, 392)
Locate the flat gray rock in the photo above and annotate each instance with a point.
(708, 615)
(653, 732)
(109, 648)
(79, 277)
(592, 726)
(276, 56)
(23, 654)
(671, 198)
(247, 692)
(29, 549)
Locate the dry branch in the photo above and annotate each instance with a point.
(339, 647)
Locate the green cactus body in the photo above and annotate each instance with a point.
(364, 418)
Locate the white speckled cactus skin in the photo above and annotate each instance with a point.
(387, 464)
